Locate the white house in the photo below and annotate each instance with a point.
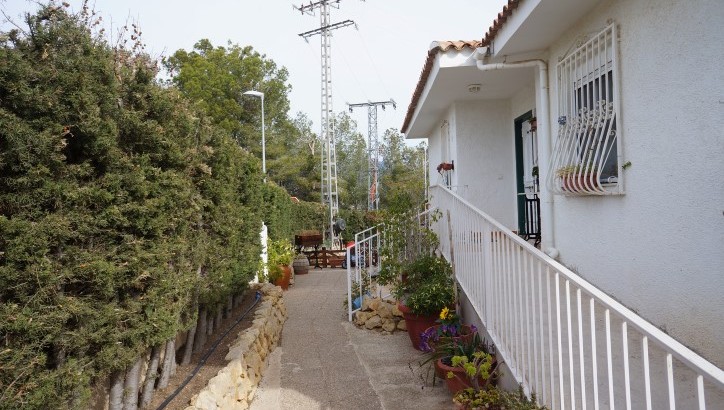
(618, 107)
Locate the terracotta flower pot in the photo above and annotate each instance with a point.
(416, 324)
(460, 380)
(283, 282)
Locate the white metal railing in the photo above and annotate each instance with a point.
(363, 263)
(562, 338)
(366, 256)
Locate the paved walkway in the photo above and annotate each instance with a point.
(325, 362)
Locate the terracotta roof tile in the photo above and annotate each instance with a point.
(498, 23)
(442, 46)
(436, 47)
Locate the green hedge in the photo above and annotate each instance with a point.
(120, 207)
(277, 211)
(307, 216)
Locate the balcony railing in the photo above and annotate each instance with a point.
(562, 338)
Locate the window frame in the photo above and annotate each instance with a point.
(587, 156)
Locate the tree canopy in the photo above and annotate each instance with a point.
(215, 78)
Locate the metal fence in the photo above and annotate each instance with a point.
(562, 338)
(363, 264)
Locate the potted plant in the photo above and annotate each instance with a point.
(428, 288)
(469, 363)
(495, 398)
(280, 255)
(446, 166)
(577, 177)
(448, 325)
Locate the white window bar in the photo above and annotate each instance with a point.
(586, 155)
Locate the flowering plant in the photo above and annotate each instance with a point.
(449, 326)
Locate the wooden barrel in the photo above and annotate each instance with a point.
(301, 265)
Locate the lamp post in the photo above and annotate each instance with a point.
(264, 232)
(263, 140)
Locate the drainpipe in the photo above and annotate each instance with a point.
(544, 138)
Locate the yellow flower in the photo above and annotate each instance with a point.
(445, 313)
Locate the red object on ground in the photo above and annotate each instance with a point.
(283, 282)
(416, 324)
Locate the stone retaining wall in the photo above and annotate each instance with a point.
(235, 385)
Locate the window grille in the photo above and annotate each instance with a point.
(586, 155)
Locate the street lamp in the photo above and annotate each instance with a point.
(263, 141)
(264, 232)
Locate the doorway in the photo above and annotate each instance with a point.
(527, 182)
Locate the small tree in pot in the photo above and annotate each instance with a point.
(281, 254)
(427, 289)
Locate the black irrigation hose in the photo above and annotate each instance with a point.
(206, 356)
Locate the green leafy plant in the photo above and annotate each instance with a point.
(495, 398)
(408, 237)
(481, 366)
(280, 254)
(428, 286)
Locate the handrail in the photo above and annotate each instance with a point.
(683, 353)
(505, 264)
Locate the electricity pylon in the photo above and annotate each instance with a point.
(329, 154)
(373, 150)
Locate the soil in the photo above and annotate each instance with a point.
(213, 364)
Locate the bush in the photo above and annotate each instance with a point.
(429, 286)
(120, 205)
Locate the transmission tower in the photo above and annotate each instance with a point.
(373, 149)
(329, 154)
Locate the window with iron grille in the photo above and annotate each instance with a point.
(586, 155)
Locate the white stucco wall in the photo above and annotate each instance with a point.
(659, 248)
(485, 165)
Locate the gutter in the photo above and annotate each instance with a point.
(544, 145)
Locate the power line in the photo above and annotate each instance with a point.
(373, 158)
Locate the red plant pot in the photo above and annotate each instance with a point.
(283, 282)
(460, 380)
(416, 324)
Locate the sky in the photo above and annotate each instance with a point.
(380, 59)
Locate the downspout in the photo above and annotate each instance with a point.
(544, 146)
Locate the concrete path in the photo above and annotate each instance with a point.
(325, 362)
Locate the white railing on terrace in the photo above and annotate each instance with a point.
(562, 338)
(363, 263)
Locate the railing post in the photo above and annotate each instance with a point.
(452, 256)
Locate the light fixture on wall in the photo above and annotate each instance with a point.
(474, 88)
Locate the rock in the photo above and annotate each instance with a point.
(396, 311)
(235, 370)
(384, 311)
(401, 325)
(375, 303)
(388, 325)
(361, 317)
(366, 304)
(242, 389)
(205, 400)
(373, 322)
(228, 402)
(219, 385)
